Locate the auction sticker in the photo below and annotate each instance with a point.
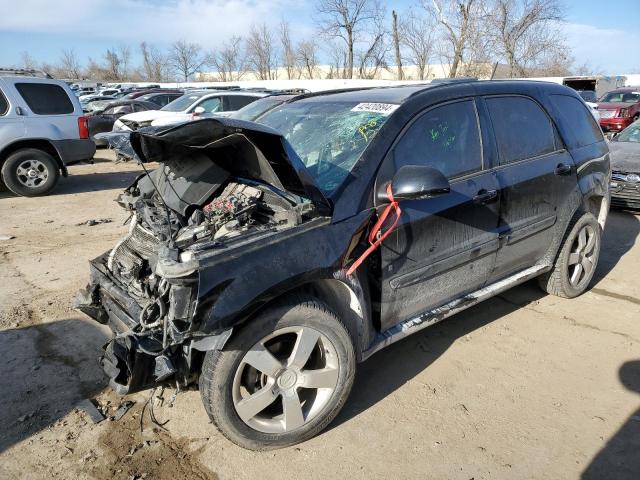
(383, 108)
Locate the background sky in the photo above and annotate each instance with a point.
(603, 35)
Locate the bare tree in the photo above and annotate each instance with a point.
(229, 61)
(337, 54)
(289, 57)
(348, 20)
(373, 58)
(396, 44)
(155, 64)
(186, 58)
(70, 65)
(27, 61)
(416, 36)
(124, 55)
(460, 22)
(112, 65)
(307, 57)
(260, 52)
(525, 30)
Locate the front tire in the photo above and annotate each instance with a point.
(577, 261)
(282, 379)
(30, 172)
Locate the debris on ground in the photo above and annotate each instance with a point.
(94, 221)
(123, 409)
(6, 237)
(90, 409)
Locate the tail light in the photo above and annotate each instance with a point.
(83, 128)
(623, 113)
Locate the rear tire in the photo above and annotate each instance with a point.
(577, 261)
(30, 172)
(305, 366)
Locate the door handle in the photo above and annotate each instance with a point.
(562, 169)
(486, 196)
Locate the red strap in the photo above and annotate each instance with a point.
(373, 241)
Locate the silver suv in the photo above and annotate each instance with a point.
(42, 130)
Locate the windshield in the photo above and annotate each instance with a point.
(624, 97)
(182, 103)
(329, 137)
(630, 134)
(256, 109)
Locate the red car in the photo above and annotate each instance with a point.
(619, 108)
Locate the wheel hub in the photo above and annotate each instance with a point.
(297, 379)
(287, 379)
(32, 173)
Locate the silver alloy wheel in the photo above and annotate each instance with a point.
(581, 259)
(32, 173)
(296, 365)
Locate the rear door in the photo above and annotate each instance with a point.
(445, 246)
(536, 175)
(50, 112)
(236, 102)
(11, 124)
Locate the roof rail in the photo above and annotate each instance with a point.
(453, 80)
(24, 72)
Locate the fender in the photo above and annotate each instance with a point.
(230, 291)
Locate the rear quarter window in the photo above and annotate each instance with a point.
(576, 118)
(4, 105)
(45, 98)
(522, 129)
(236, 102)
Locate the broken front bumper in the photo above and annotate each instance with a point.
(133, 361)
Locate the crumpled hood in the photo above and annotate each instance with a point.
(625, 156)
(176, 118)
(244, 149)
(146, 116)
(613, 105)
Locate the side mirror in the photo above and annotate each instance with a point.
(415, 182)
(198, 110)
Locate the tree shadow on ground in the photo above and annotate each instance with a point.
(620, 457)
(47, 370)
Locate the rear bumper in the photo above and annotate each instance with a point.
(615, 123)
(73, 151)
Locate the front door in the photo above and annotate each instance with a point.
(442, 247)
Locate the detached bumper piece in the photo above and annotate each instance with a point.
(134, 363)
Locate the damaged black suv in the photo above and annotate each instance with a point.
(265, 260)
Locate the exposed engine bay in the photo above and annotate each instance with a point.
(199, 201)
(191, 203)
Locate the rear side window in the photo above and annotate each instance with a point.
(236, 102)
(45, 98)
(210, 105)
(578, 120)
(522, 129)
(4, 105)
(446, 138)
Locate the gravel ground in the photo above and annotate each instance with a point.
(524, 385)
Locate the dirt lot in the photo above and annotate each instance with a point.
(522, 386)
